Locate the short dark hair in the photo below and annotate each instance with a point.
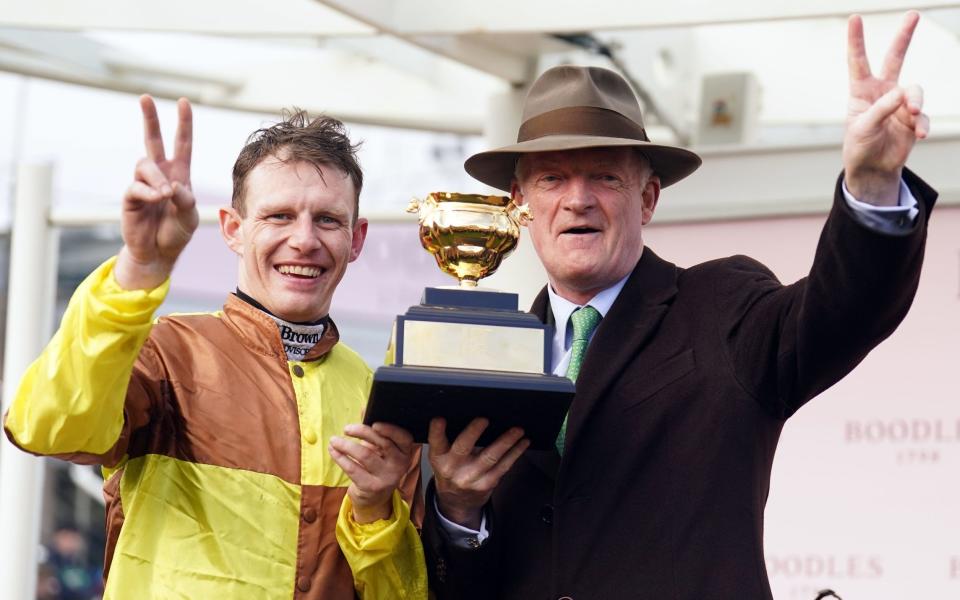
(321, 142)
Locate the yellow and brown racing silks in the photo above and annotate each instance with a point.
(218, 480)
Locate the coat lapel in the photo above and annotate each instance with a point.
(547, 461)
(627, 328)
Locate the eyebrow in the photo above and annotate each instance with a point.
(269, 206)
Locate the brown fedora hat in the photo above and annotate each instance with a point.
(573, 107)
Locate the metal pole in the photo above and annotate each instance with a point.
(29, 312)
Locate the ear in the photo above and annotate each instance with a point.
(515, 193)
(651, 193)
(231, 230)
(359, 235)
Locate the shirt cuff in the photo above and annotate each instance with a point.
(364, 544)
(463, 537)
(886, 219)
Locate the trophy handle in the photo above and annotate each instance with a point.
(414, 206)
(422, 207)
(521, 213)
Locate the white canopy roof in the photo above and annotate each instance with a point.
(433, 64)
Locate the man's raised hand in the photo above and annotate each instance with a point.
(884, 119)
(159, 211)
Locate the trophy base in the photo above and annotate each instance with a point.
(411, 396)
(482, 298)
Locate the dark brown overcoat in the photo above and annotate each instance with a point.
(680, 402)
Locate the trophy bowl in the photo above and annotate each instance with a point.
(469, 234)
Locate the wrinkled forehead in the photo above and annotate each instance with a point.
(627, 158)
(274, 179)
(300, 167)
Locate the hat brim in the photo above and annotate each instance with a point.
(496, 167)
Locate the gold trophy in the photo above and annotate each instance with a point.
(465, 351)
(469, 234)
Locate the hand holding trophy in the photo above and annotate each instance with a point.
(467, 352)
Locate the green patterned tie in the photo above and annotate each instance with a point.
(584, 320)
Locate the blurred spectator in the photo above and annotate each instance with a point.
(67, 571)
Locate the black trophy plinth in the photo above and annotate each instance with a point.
(463, 354)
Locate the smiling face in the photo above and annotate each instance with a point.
(297, 233)
(589, 207)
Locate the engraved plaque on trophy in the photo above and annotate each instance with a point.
(465, 351)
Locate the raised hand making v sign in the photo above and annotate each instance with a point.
(884, 118)
(159, 210)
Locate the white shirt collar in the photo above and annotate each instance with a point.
(563, 308)
(563, 330)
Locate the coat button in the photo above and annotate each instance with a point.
(310, 436)
(546, 514)
(309, 514)
(298, 370)
(303, 584)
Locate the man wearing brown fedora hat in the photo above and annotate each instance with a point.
(684, 377)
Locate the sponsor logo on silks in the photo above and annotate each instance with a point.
(295, 350)
(288, 334)
(298, 340)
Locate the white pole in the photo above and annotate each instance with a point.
(521, 272)
(29, 311)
